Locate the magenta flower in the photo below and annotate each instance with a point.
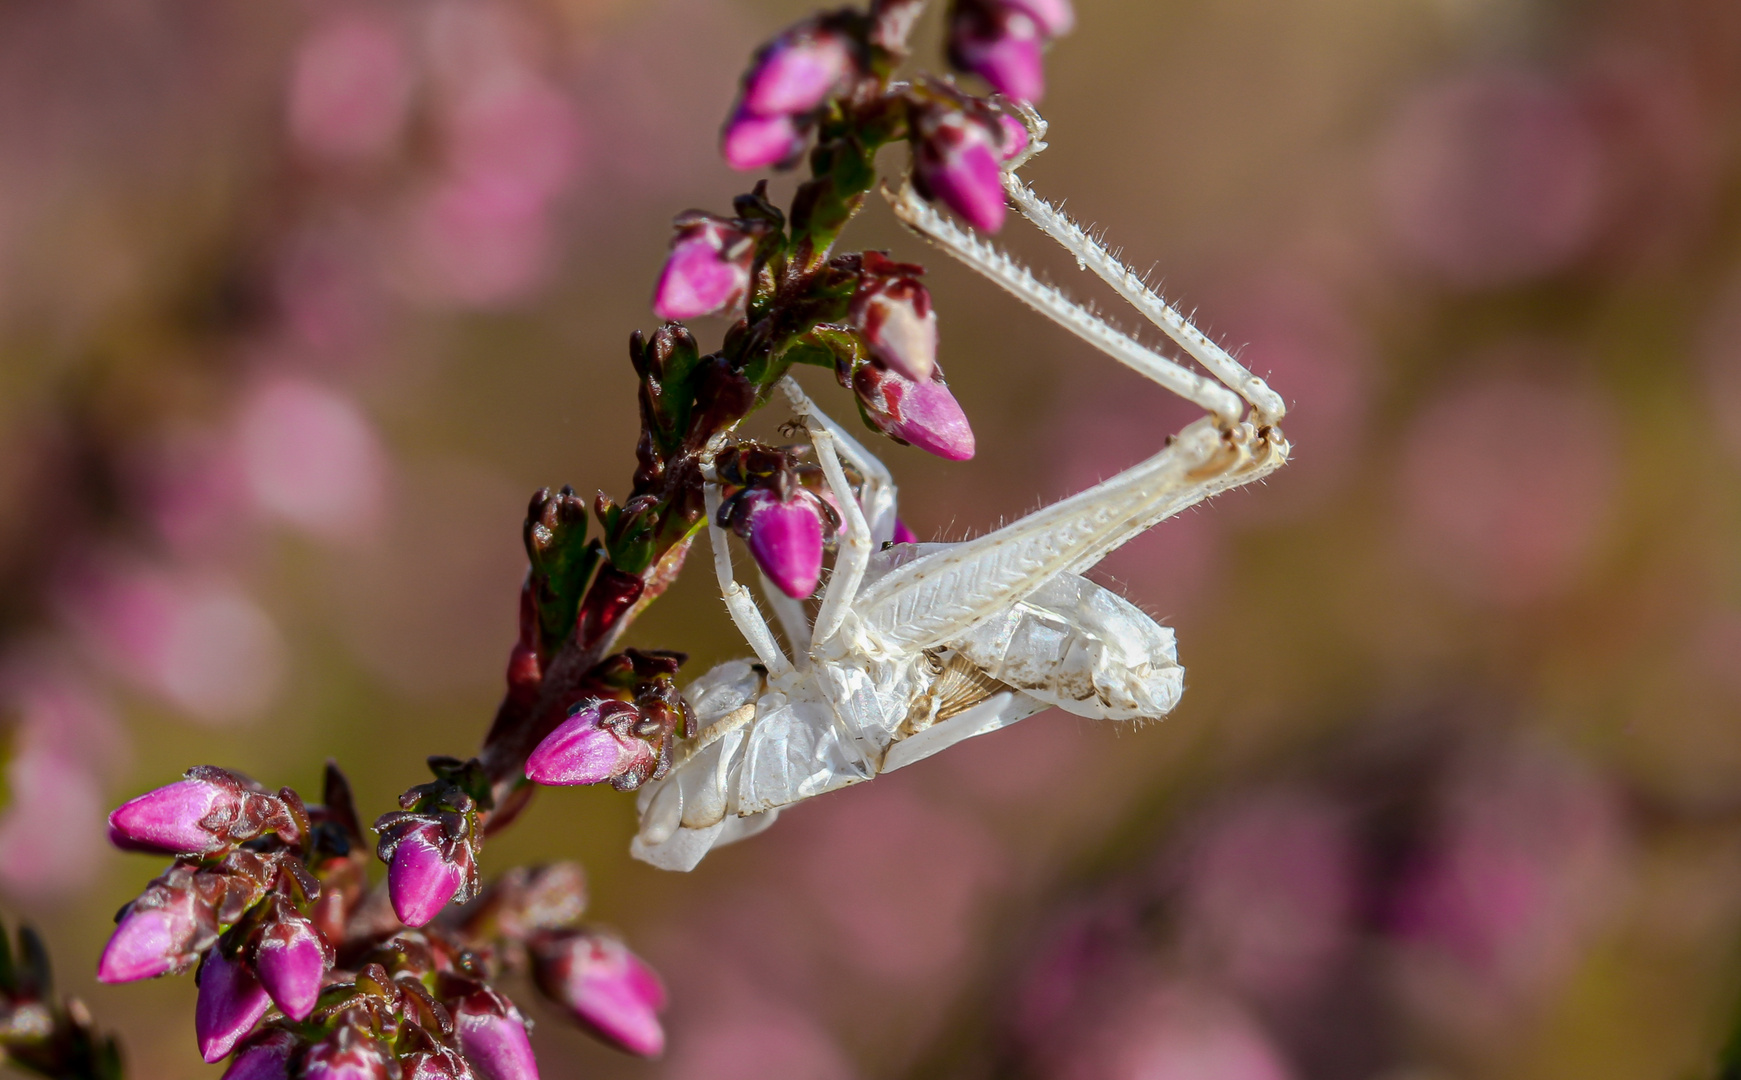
(586, 748)
(758, 142)
(924, 414)
(291, 960)
(264, 1057)
(893, 311)
(797, 73)
(231, 1002)
(785, 537)
(608, 988)
(422, 877)
(161, 932)
(176, 819)
(1003, 47)
(494, 1040)
(708, 269)
(904, 535)
(957, 159)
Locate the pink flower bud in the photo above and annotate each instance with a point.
(1055, 17)
(708, 269)
(956, 159)
(1003, 48)
(608, 988)
(174, 819)
(797, 73)
(163, 931)
(904, 535)
(893, 311)
(264, 1057)
(231, 1002)
(786, 539)
(924, 414)
(422, 878)
(494, 1043)
(584, 750)
(760, 142)
(291, 960)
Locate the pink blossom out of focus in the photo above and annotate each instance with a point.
(877, 856)
(519, 136)
(1492, 178)
(1506, 486)
(1270, 893)
(1297, 334)
(741, 1040)
(311, 458)
(1004, 49)
(328, 298)
(1529, 858)
(758, 142)
(350, 89)
(607, 987)
(1176, 1033)
(483, 234)
(51, 831)
(196, 641)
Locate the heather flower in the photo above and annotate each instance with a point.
(171, 818)
(923, 414)
(785, 538)
(205, 812)
(790, 80)
(893, 311)
(163, 931)
(797, 72)
(607, 987)
(492, 1034)
(231, 1002)
(1002, 46)
(957, 159)
(423, 875)
(588, 748)
(758, 142)
(290, 961)
(708, 269)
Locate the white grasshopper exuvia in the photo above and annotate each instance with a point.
(918, 646)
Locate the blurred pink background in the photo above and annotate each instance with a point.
(298, 303)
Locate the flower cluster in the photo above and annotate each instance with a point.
(305, 972)
(575, 713)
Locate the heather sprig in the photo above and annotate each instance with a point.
(830, 83)
(304, 970)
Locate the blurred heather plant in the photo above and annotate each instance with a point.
(304, 970)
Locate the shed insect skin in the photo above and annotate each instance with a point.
(916, 647)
